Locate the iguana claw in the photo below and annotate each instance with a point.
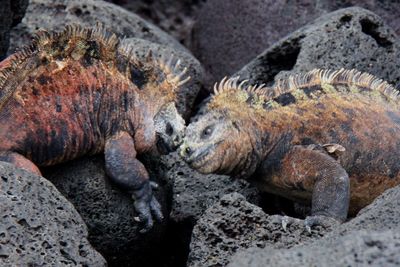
(285, 222)
(147, 206)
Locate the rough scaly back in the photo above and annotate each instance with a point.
(87, 44)
(238, 96)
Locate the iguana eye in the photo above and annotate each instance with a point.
(206, 133)
(169, 130)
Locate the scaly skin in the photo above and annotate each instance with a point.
(80, 92)
(331, 138)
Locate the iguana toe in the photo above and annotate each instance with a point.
(320, 220)
(147, 206)
(286, 221)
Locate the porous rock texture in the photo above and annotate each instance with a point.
(174, 17)
(11, 13)
(192, 193)
(108, 212)
(233, 224)
(55, 14)
(228, 34)
(347, 38)
(38, 226)
(370, 239)
(360, 248)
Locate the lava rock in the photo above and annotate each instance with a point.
(191, 194)
(38, 225)
(228, 34)
(387, 10)
(175, 17)
(359, 248)
(194, 192)
(108, 212)
(234, 224)
(348, 38)
(371, 238)
(11, 13)
(55, 14)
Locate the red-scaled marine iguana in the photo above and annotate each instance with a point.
(327, 137)
(79, 92)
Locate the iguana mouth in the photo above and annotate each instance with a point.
(202, 159)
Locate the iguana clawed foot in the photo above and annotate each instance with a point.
(286, 220)
(147, 205)
(324, 221)
(310, 221)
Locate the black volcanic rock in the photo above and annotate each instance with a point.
(347, 38)
(38, 226)
(11, 13)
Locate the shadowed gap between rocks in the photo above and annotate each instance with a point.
(370, 28)
(284, 58)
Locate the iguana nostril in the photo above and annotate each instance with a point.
(188, 151)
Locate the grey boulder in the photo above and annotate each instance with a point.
(11, 13)
(347, 38)
(38, 225)
(372, 238)
(55, 14)
(228, 34)
(108, 212)
(233, 224)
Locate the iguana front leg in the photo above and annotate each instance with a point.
(317, 172)
(129, 173)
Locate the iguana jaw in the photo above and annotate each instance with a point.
(202, 159)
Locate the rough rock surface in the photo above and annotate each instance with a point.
(228, 34)
(194, 192)
(55, 14)
(372, 238)
(233, 224)
(108, 212)
(191, 194)
(38, 225)
(359, 248)
(175, 17)
(348, 38)
(11, 13)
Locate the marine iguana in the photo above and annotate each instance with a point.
(80, 92)
(327, 137)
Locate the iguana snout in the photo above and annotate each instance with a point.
(206, 147)
(170, 128)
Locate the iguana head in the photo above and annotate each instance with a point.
(211, 143)
(221, 139)
(170, 128)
